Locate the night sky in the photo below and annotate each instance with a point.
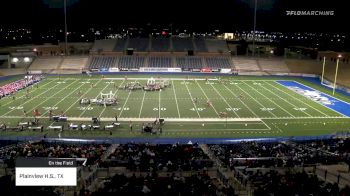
(200, 14)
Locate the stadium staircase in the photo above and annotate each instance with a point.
(226, 173)
(60, 64)
(146, 62)
(258, 64)
(205, 64)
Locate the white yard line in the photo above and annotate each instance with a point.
(113, 96)
(80, 98)
(143, 100)
(122, 109)
(177, 105)
(31, 99)
(223, 98)
(294, 97)
(195, 107)
(159, 103)
(256, 100)
(95, 98)
(126, 101)
(32, 91)
(241, 101)
(266, 125)
(50, 97)
(64, 98)
(207, 97)
(273, 101)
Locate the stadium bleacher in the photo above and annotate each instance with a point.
(160, 45)
(182, 44)
(103, 62)
(200, 45)
(216, 46)
(121, 45)
(104, 45)
(243, 64)
(46, 63)
(218, 62)
(138, 44)
(74, 63)
(161, 61)
(131, 62)
(278, 66)
(189, 62)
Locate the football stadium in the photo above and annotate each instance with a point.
(172, 113)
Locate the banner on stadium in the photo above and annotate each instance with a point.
(206, 70)
(280, 74)
(160, 69)
(215, 70)
(309, 75)
(113, 69)
(196, 70)
(35, 72)
(295, 74)
(225, 71)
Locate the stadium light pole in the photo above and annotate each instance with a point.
(336, 73)
(65, 28)
(254, 27)
(324, 64)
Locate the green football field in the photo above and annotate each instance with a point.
(255, 107)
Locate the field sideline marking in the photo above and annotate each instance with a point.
(272, 100)
(195, 107)
(197, 119)
(207, 97)
(255, 100)
(241, 101)
(177, 105)
(31, 99)
(293, 96)
(30, 92)
(224, 100)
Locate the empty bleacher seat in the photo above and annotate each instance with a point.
(218, 62)
(160, 45)
(103, 62)
(159, 62)
(200, 45)
(182, 44)
(189, 62)
(131, 62)
(139, 44)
